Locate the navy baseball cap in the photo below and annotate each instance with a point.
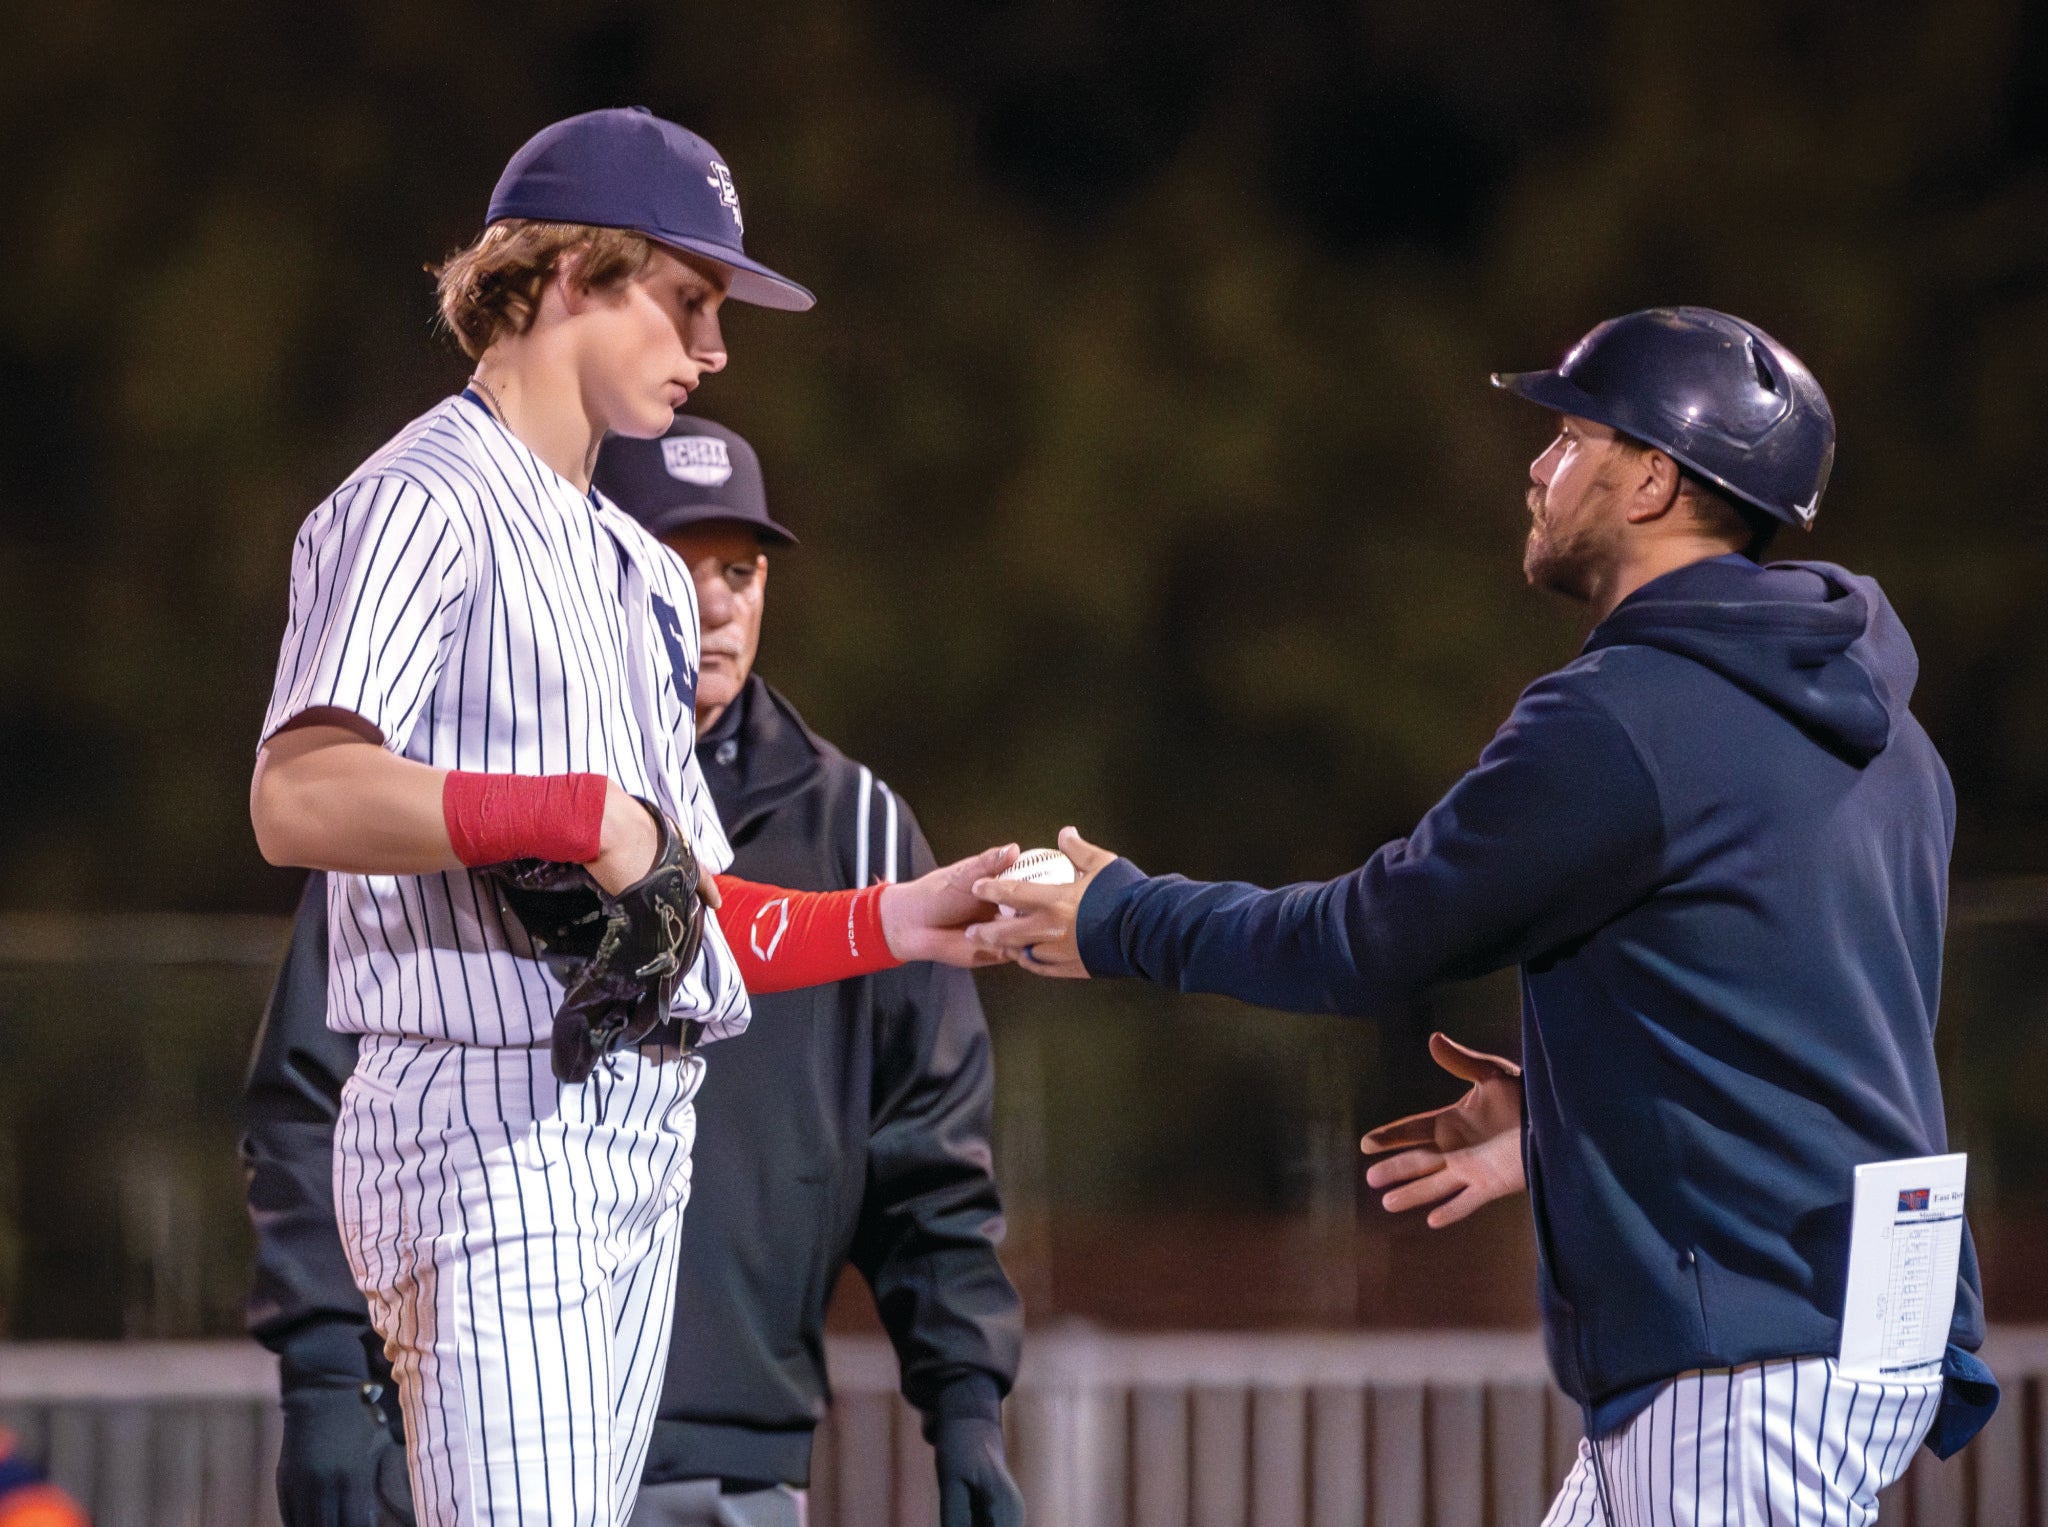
(698, 473)
(627, 168)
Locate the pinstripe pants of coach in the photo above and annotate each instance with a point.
(1789, 1441)
(516, 1241)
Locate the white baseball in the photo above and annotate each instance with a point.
(1039, 866)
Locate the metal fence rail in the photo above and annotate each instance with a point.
(148, 1433)
(1177, 1430)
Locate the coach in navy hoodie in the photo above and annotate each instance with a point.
(1717, 845)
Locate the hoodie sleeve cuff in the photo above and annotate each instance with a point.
(1099, 925)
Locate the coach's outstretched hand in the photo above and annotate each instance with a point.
(1468, 1153)
(928, 918)
(1040, 937)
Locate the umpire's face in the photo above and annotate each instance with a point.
(731, 573)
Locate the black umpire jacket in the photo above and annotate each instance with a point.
(850, 1123)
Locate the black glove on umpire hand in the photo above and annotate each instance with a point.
(975, 1487)
(339, 1466)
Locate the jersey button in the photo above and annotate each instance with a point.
(727, 751)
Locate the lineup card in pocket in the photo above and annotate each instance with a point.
(1905, 1239)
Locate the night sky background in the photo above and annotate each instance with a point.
(1145, 464)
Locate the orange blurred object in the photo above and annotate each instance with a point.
(40, 1505)
(29, 1500)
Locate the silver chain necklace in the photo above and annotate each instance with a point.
(497, 407)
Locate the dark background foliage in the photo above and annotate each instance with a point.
(1140, 441)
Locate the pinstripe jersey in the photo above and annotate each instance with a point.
(482, 613)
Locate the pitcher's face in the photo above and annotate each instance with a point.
(651, 343)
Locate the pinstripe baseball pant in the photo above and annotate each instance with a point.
(1789, 1441)
(516, 1241)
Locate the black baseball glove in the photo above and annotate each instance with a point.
(618, 957)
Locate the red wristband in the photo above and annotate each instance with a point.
(495, 817)
(788, 939)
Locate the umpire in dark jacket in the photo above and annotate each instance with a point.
(850, 1123)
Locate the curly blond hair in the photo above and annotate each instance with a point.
(493, 287)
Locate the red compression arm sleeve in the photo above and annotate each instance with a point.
(787, 939)
(495, 817)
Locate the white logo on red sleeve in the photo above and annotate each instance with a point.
(777, 909)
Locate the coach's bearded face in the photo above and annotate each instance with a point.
(1576, 518)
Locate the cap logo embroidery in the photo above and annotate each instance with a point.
(699, 460)
(720, 180)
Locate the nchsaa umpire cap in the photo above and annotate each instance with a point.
(699, 472)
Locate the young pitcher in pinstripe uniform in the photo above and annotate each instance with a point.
(487, 661)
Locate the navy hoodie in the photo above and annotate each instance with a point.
(1717, 844)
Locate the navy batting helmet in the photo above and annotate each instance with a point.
(1719, 396)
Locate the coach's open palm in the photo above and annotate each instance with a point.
(1459, 1157)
